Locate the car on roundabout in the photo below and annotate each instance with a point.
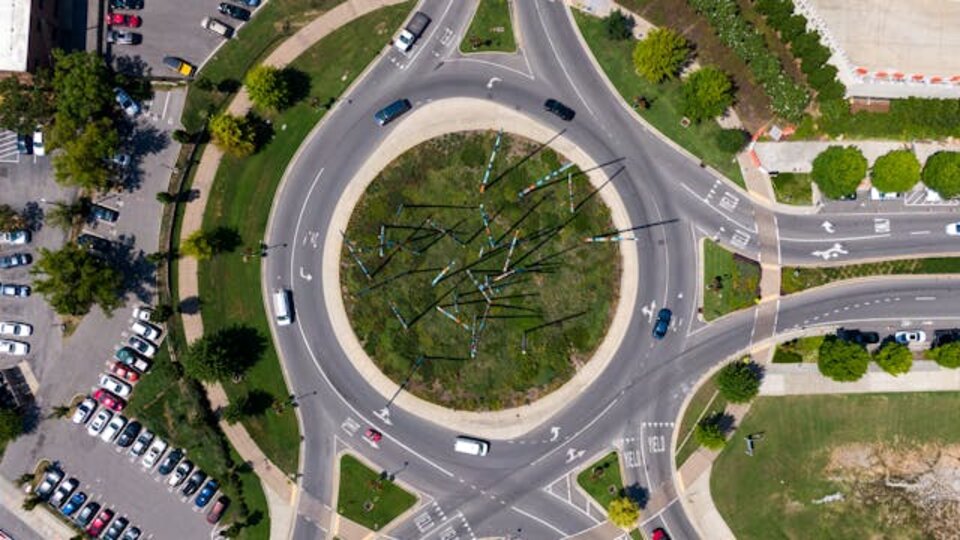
(662, 325)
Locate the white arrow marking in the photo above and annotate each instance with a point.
(827, 226)
(305, 276)
(493, 80)
(554, 433)
(384, 414)
(648, 311)
(831, 253)
(573, 454)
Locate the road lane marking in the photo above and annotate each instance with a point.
(918, 233)
(925, 298)
(540, 521)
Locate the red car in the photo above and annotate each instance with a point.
(217, 511)
(659, 534)
(125, 373)
(109, 400)
(122, 19)
(100, 522)
(373, 435)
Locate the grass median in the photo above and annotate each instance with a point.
(730, 282)
(602, 480)
(240, 201)
(491, 29)
(369, 498)
(793, 188)
(707, 400)
(796, 279)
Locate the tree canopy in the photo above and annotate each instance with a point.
(838, 170)
(709, 432)
(10, 219)
(624, 512)
(197, 245)
(739, 382)
(268, 87)
(841, 360)
(941, 173)
(660, 54)
(894, 358)
(25, 106)
(11, 425)
(946, 355)
(84, 91)
(85, 161)
(705, 94)
(619, 26)
(234, 135)
(896, 171)
(223, 354)
(73, 279)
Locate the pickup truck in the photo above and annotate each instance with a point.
(412, 32)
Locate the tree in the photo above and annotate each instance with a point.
(198, 245)
(73, 279)
(946, 355)
(60, 411)
(895, 172)
(732, 140)
(894, 358)
(235, 410)
(31, 502)
(165, 197)
(739, 382)
(706, 93)
(10, 219)
(85, 161)
(233, 134)
(83, 86)
(11, 425)
(619, 26)
(941, 173)
(660, 55)
(624, 512)
(838, 170)
(268, 87)
(24, 479)
(25, 106)
(161, 313)
(709, 432)
(223, 354)
(841, 360)
(66, 216)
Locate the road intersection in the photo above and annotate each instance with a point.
(635, 400)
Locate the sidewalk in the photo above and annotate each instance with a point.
(45, 524)
(805, 379)
(798, 156)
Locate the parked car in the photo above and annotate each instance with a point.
(126, 4)
(132, 533)
(84, 516)
(13, 289)
(858, 337)
(74, 503)
(170, 462)
(153, 453)
(217, 27)
(116, 528)
(24, 145)
(180, 473)
(113, 428)
(109, 400)
(251, 3)
(15, 260)
(142, 443)
(103, 213)
(662, 325)
(93, 242)
(129, 357)
(555, 107)
(19, 329)
(236, 12)
(179, 65)
(142, 313)
(906, 337)
(128, 434)
(13, 347)
(123, 19)
(145, 330)
(51, 478)
(100, 522)
(63, 492)
(194, 483)
(15, 238)
(127, 374)
(38, 147)
(207, 493)
(142, 346)
(121, 389)
(122, 161)
(129, 106)
(124, 37)
(659, 534)
(83, 411)
(100, 421)
(218, 508)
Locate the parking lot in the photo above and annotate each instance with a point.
(71, 366)
(169, 28)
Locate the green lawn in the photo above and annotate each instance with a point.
(793, 188)
(805, 349)
(360, 487)
(795, 279)
(272, 23)
(240, 200)
(615, 57)
(730, 282)
(602, 480)
(557, 276)
(770, 494)
(491, 29)
(707, 400)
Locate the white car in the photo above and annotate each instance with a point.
(953, 229)
(142, 346)
(15, 238)
(217, 27)
(8, 328)
(63, 492)
(38, 149)
(118, 387)
(99, 422)
(14, 348)
(877, 195)
(146, 330)
(142, 313)
(113, 428)
(153, 453)
(906, 337)
(84, 410)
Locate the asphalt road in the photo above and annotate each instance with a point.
(634, 402)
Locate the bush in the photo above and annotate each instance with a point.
(233, 134)
(822, 77)
(941, 173)
(833, 90)
(739, 382)
(164, 197)
(814, 59)
(619, 26)
(706, 93)
(947, 355)
(267, 87)
(838, 170)
(842, 361)
(792, 27)
(709, 432)
(894, 358)
(11, 425)
(660, 55)
(198, 246)
(732, 140)
(624, 512)
(896, 171)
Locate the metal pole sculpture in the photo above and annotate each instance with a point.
(544, 180)
(493, 156)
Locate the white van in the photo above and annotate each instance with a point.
(281, 307)
(471, 446)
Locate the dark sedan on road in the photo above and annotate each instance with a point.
(236, 12)
(559, 109)
(663, 323)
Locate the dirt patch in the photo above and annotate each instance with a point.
(909, 484)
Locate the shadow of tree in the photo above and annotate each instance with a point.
(33, 216)
(225, 239)
(139, 273)
(243, 344)
(258, 401)
(299, 84)
(190, 305)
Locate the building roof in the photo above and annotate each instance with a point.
(14, 34)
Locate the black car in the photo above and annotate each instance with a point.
(129, 434)
(858, 337)
(104, 214)
(24, 144)
(86, 515)
(94, 243)
(15, 260)
(559, 109)
(170, 462)
(663, 323)
(117, 527)
(236, 12)
(126, 4)
(194, 482)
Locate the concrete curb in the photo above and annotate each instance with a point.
(868, 279)
(426, 122)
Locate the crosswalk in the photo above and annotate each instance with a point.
(8, 147)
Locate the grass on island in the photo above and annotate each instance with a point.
(615, 57)
(805, 349)
(367, 497)
(730, 282)
(270, 25)
(240, 200)
(491, 29)
(772, 494)
(558, 277)
(793, 188)
(795, 279)
(707, 400)
(602, 480)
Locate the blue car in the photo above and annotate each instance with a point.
(207, 493)
(663, 323)
(74, 503)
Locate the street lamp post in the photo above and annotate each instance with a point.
(384, 413)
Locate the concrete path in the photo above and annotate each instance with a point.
(43, 523)
(798, 156)
(805, 379)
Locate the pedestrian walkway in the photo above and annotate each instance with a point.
(798, 156)
(805, 379)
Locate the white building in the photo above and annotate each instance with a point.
(28, 29)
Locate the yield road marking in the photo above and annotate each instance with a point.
(881, 225)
